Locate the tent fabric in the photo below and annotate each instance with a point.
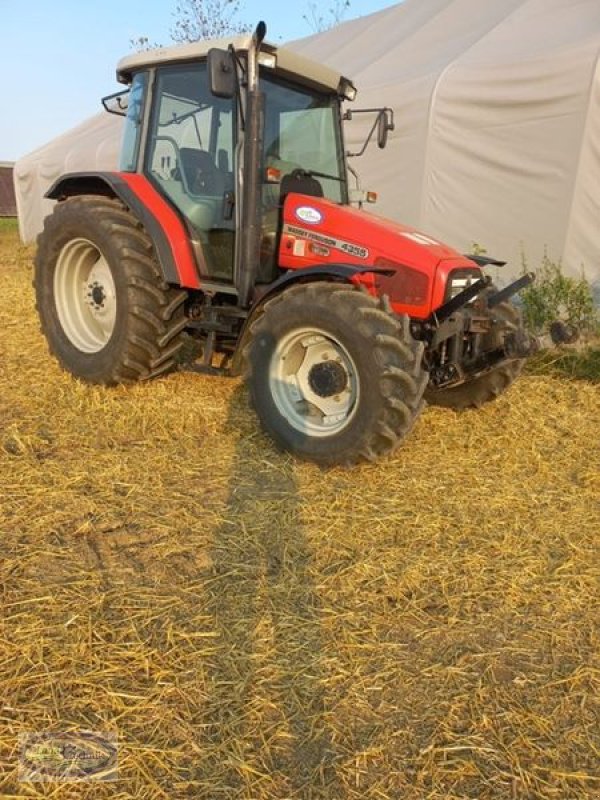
(93, 145)
(497, 138)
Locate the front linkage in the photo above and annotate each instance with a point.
(469, 336)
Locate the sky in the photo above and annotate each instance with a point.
(58, 57)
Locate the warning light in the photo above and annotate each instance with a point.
(273, 175)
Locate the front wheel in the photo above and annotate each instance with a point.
(333, 376)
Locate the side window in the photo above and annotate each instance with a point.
(190, 157)
(133, 123)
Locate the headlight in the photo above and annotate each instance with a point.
(268, 60)
(347, 89)
(460, 279)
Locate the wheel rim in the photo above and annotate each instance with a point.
(314, 382)
(85, 296)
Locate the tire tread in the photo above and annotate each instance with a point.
(155, 320)
(401, 378)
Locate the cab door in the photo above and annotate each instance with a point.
(190, 159)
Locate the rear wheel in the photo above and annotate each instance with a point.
(487, 387)
(106, 312)
(333, 376)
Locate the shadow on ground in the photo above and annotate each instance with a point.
(267, 698)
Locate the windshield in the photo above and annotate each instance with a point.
(302, 131)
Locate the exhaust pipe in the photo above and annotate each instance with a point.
(253, 144)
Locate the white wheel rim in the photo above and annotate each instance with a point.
(85, 296)
(314, 382)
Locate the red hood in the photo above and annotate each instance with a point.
(317, 231)
(382, 238)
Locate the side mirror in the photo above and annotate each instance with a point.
(221, 73)
(385, 124)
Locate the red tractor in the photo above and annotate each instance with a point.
(229, 226)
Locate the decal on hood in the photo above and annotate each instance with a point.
(338, 244)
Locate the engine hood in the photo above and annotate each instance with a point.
(361, 237)
(316, 231)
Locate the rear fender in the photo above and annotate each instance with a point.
(170, 238)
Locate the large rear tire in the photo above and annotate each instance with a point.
(487, 387)
(333, 376)
(105, 310)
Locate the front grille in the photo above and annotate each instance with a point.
(406, 285)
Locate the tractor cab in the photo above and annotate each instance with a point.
(188, 129)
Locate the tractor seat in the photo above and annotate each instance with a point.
(300, 183)
(201, 174)
(292, 181)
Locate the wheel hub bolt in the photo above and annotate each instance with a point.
(97, 295)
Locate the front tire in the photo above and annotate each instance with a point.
(104, 308)
(333, 376)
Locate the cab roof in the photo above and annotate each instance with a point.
(289, 64)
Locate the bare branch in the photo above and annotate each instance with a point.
(141, 43)
(206, 19)
(329, 18)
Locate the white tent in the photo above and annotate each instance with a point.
(497, 139)
(93, 145)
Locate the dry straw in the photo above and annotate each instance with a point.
(253, 627)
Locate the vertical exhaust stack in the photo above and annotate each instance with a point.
(253, 145)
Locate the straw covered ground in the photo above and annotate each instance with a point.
(253, 627)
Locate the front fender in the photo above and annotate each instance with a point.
(340, 273)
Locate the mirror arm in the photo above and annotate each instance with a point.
(117, 96)
(387, 113)
(369, 137)
(238, 92)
